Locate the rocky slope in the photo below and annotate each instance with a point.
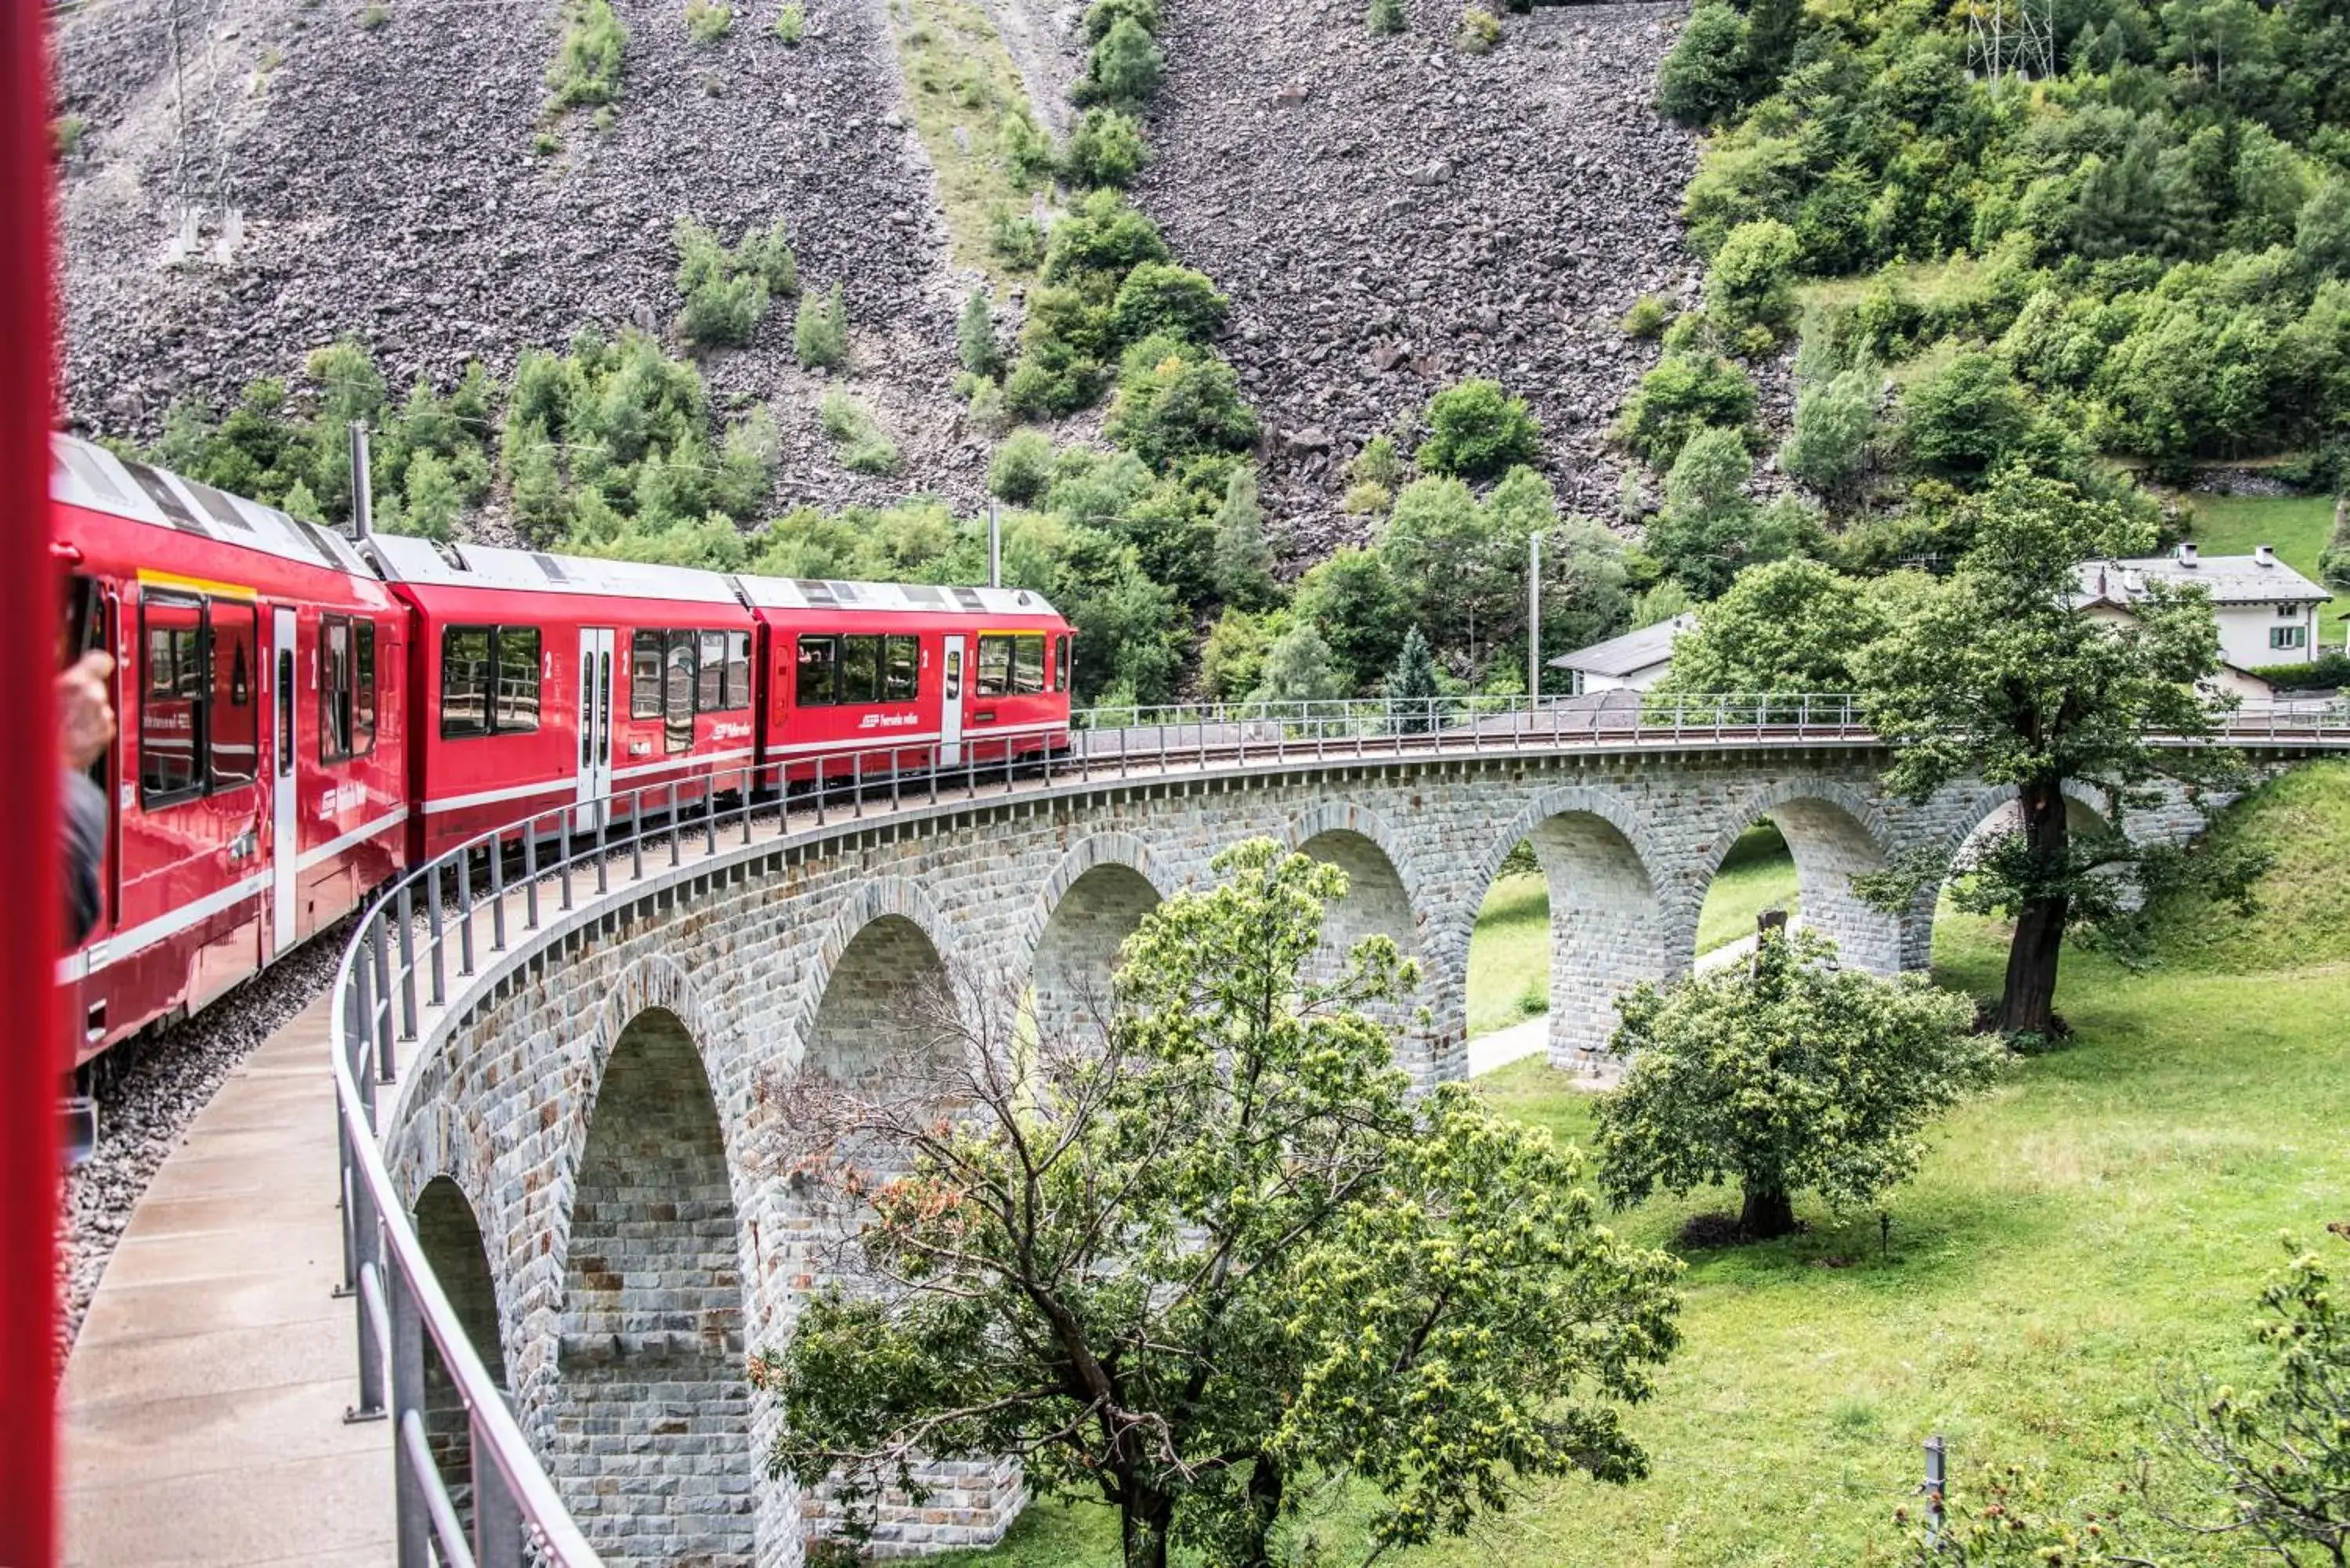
(1391, 214)
(388, 188)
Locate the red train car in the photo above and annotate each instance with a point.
(258, 789)
(976, 673)
(546, 681)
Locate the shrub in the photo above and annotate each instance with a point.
(770, 256)
(1125, 67)
(1962, 419)
(1027, 150)
(1366, 499)
(1299, 667)
(791, 25)
(1104, 14)
(1232, 660)
(1752, 288)
(1106, 150)
(723, 310)
(707, 20)
(587, 68)
(1014, 238)
(1022, 468)
(2334, 563)
(1476, 431)
(975, 344)
(820, 332)
(1830, 438)
(1105, 235)
(1177, 406)
(377, 16)
(1701, 80)
(66, 134)
(1480, 31)
(1684, 394)
(1354, 598)
(1648, 318)
(858, 439)
(1377, 463)
(1161, 297)
(1243, 557)
(547, 144)
(1387, 17)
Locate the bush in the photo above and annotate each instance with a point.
(707, 20)
(1752, 285)
(1962, 419)
(1022, 468)
(1298, 667)
(1232, 660)
(1701, 81)
(1106, 150)
(1387, 17)
(791, 25)
(2327, 672)
(1377, 463)
(1105, 235)
(1180, 406)
(820, 332)
(1125, 67)
(587, 68)
(1241, 565)
(1699, 536)
(1684, 394)
(1104, 14)
(1480, 31)
(726, 292)
(2334, 562)
(975, 344)
(1830, 438)
(723, 310)
(1648, 318)
(1354, 600)
(1027, 150)
(1476, 431)
(1014, 239)
(858, 439)
(1367, 499)
(1161, 297)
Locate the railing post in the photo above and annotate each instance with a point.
(406, 905)
(750, 788)
(819, 788)
(895, 770)
(380, 1017)
(856, 786)
(938, 761)
(434, 928)
(497, 893)
(709, 818)
(497, 1517)
(415, 1520)
(569, 821)
(676, 849)
(464, 912)
(636, 835)
(603, 845)
(530, 875)
(364, 1223)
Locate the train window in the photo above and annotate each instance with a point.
(738, 671)
(1061, 664)
(362, 688)
(711, 694)
(465, 680)
(645, 675)
(1027, 665)
(233, 707)
(334, 688)
(820, 659)
(901, 669)
(517, 660)
(677, 692)
(994, 672)
(860, 669)
(171, 702)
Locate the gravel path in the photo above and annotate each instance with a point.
(143, 1113)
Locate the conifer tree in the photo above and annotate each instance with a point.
(1411, 684)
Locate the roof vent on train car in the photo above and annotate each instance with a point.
(450, 554)
(844, 592)
(1020, 596)
(815, 592)
(922, 594)
(551, 567)
(969, 599)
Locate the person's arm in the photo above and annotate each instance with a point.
(85, 729)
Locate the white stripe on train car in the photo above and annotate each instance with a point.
(356, 836)
(492, 796)
(139, 938)
(641, 769)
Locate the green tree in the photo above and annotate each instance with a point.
(1996, 677)
(975, 345)
(1828, 444)
(1188, 1261)
(1354, 600)
(1178, 405)
(1243, 568)
(1789, 626)
(1411, 684)
(1476, 431)
(1790, 1074)
(1684, 394)
(1706, 530)
(1703, 79)
(587, 68)
(434, 502)
(820, 331)
(1387, 17)
(1964, 418)
(1161, 297)
(1106, 150)
(1022, 467)
(1125, 67)
(1232, 660)
(2334, 563)
(1455, 564)
(1752, 283)
(1298, 667)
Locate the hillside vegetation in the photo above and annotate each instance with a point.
(2107, 1214)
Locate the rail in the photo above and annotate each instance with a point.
(453, 915)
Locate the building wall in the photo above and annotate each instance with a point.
(2245, 630)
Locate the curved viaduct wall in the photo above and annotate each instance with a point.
(600, 1096)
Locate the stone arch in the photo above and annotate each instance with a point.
(1093, 900)
(1608, 931)
(651, 1415)
(1975, 816)
(1834, 832)
(1381, 900)
(451, 1239)
(871, 980)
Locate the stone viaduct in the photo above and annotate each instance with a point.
(578, 1136)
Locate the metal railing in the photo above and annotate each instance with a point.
(449, 920)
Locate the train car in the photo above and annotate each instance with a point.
(256, 791)
(959, 675)
(545, 682)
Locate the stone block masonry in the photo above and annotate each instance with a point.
(602, 1098)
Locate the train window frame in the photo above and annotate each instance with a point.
(678, 713)
(1030, 676)
(983, 684)
(709, 671)
(737, 683)
(858, 648)
(351, 684)
(365, 697)
(1061, 663)
(243, 620)
(468, 729)
(199, 767)
(496, 716)
(803, 645)
(645, 685)
(895, 648)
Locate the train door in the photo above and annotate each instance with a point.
(951, 709)
(285, 848)
(595, 727)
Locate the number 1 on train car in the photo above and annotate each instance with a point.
(595, 727)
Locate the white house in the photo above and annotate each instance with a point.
(2267, 611)
(1632, 662)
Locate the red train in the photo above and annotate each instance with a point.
(302, 715)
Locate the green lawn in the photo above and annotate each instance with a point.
(1758, 874)
(2298, 525)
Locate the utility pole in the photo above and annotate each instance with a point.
(994, 546)
(1533, 618)
(363, 485)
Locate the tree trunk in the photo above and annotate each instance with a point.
(2028, 1005)
(1264, 1490)
(1143, 1523)
(1766, 1213)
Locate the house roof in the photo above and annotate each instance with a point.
(1625, 655)
(2227, 579)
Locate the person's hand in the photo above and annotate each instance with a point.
(85, 716)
